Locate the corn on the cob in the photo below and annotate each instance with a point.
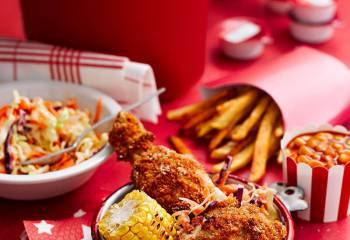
(137, 216)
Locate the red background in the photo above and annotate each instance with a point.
(112, 174)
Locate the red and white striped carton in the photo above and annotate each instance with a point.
(327, 191)
(308, 86)
(126, 81)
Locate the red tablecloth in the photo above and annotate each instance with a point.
(115, 174)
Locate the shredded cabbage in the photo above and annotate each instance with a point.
(41, 127)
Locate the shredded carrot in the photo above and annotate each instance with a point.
(23, 105)
(98, 111)
(215, 177)
(41, 124)
(65, 162)
(50, 107)
(72, 103)
(2, 167)
(3, 111)
(36, 154)
(228, 189)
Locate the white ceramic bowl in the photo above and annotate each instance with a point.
(26, 187)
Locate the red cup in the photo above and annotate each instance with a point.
(168, 35)
(326, 190)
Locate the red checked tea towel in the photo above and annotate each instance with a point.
(124, 80)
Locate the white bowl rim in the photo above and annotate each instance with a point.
(85, 166)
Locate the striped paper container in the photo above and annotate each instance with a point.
(124, 80)
(327, 191)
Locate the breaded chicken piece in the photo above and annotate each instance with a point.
(227, 220)
(167, 176)
(162, 173)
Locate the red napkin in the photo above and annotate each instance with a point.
(124, 80)
(75, 228)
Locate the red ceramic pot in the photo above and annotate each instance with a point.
(168, 35)
(121, 192)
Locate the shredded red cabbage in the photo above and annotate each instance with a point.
(239, 194)
(256, 201)
(22, 120)
(9, 161)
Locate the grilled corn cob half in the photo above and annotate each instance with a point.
(137, 216)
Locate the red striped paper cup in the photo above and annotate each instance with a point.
(327, 191)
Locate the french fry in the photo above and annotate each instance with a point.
(179, 145)
(199, 118)
(242, 144)
(204, 128)
(279, 131)
(280, 157)
(274, 145)
(235, 110)
(225, 105)
(223, 151)
(223, 133)
(191, 110)
(182, 113)
(218, 138)
(243, 130)
(262, 143)
(243, 157)
(240, 159)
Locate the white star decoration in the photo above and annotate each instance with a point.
(44, 227)
(79, 213)
(86, 233)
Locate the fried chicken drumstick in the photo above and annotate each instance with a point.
(169, 177)
(160, 172)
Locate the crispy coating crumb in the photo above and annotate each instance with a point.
(160, 172)
(229, 221)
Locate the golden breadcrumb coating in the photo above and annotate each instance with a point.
(160, 172)
(227, 220)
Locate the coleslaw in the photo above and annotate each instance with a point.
(31, 128)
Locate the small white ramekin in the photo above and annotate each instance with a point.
(33, 187)
(311, 13)
(313, 33)
(250, 48)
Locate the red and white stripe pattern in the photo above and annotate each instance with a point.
(327, 191)
(119, 77)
